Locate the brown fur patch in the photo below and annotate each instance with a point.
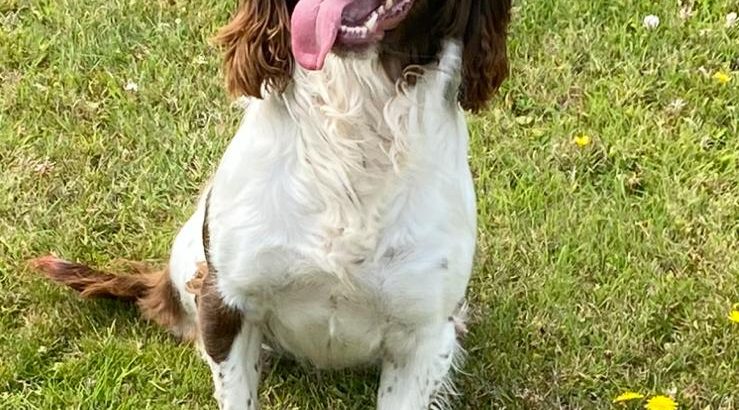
(161, 302)
(219, 324)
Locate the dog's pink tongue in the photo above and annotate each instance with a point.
(315, 25)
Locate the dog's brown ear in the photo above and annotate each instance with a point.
(485, 60)
(257, 48)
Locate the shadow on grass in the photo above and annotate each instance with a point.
(492, 372)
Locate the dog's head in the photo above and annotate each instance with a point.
(266, 38)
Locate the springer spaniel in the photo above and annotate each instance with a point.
(340, 224)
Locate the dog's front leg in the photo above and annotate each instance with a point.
(415, 370)
(231, 346)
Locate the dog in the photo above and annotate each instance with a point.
(340, 225)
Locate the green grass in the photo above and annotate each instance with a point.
(600, 269)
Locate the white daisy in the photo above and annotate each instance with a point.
(731, 19)
(131, 86)
(651, 22)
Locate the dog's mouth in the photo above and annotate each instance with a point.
(319, 25)
(361, 27)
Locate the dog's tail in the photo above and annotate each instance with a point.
(151, 290)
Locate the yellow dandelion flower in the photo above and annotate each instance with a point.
(626, 396)
(661, 403)
(734, 314)
(582, 141)
(722, 77)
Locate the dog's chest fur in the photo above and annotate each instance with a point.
(343, 213)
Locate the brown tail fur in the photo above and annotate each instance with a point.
(152, 291)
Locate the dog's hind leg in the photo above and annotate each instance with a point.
(236, 376)
(231, 346)
(416, 378)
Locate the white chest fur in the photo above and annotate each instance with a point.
(343, 212)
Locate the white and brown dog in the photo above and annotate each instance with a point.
(340, 224)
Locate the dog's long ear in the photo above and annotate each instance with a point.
(257, 48)
(485, 60)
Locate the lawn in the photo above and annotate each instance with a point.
(607, 172)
